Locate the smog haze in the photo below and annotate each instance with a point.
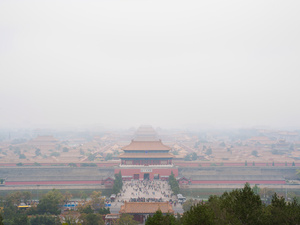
(165, 63)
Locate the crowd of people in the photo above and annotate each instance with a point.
(146, 191)
(143, 199)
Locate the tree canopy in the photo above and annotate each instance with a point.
(238, 207)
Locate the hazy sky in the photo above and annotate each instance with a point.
(166, 63)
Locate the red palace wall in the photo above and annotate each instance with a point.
(142, 171)
(238, 181)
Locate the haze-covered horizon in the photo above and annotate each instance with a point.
(172, 64)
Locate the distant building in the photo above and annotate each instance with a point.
(146, 153)
(142, 210)
(146, 157)
(44, 142)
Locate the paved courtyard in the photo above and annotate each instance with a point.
(146, 191)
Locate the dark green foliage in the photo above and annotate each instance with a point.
(22, 156)
(109, 156)
(280, 212)
(91, 219)
(194, 156)
(87, 210)
(126, 219)
(56, 154)
(254, 153)
(44, 220)
(159, 219)
(222, 144)
(19, 164)
(174, 184)
(118, 184)
(65, 149)
(50, 203)
(91, 157)
(38, 152)
(187, 157)
(199, 214)
(242, 207)
(208, 151)
(88, 164)
(104, 211)
(11, 214)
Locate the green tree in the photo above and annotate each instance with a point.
(126, 219)
(85, 209)
(243, 205)
(104, 211)
(44, 220)
(38, 152)
(194, 156)
(174, 184)
(298, 173)
(96, 201)
(83, 195)
(280, 212)
(109, 156)
(67, 196)
(22, 156)
(26, 196)
(222, 144)
(159, 219)
(71, 218)
(256, 189)
(188, 204)
(72, 164)
(187, 157)
(208, 151)
(118, 183)
(20, 219)
(198, 214)
(55, 154)
(91, 157)
(91, 219)
(1, 219)
(50, 203)
(65, 149)
(254, 153)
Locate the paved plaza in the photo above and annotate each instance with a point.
(146, 191)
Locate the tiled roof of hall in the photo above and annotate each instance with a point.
(146, 146)
(146, 207)
(146, 155)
